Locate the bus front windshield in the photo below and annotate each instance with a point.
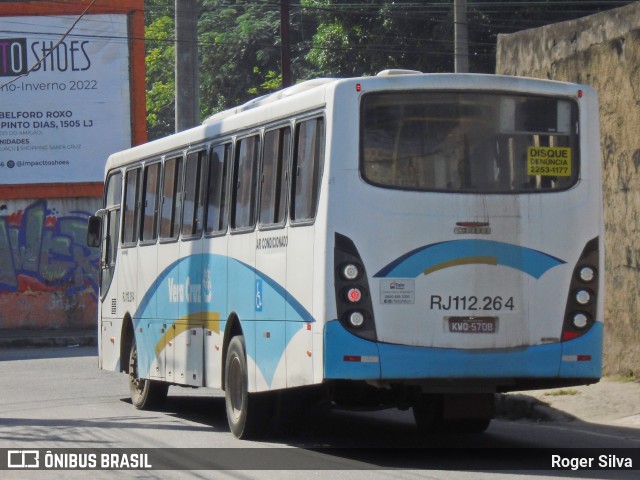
(469, 142)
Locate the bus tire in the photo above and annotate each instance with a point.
(247, 413)
(145, 394)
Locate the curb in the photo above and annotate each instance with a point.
(516, 406)
(47, 338)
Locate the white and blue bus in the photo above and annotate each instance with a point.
(403, 240)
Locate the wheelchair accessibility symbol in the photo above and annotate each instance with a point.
(258, 295)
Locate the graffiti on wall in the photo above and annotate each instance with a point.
(46, 269)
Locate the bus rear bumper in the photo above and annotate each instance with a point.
(349, 357)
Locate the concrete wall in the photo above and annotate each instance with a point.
(603, 51)
(48, 276)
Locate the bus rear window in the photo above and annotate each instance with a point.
(468, 142)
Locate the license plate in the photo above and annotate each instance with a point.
(473, 324)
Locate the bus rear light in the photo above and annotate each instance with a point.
(356, 319)
(582, 303)
(580, 320)
(354, 305)
(587, 274)
(350, 272)
(569, 335)
(583, 297)
(354, 295)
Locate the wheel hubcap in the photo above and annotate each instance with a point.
(235, 386)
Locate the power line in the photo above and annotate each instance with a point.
(50, 52)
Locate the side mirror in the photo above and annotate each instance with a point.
(94, 230)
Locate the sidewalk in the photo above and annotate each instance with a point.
(48, 338)
(612, 401)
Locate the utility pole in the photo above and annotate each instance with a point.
(461, 38)
(285, 44)
(186, 68)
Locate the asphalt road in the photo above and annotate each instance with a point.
(53, 398)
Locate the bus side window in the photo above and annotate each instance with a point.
(131, 206)
(244, 183)
(307, 169)
(171, 198)
(195, 176)
(275, 161)
(110, 229)
(216, 216)
(150, 193)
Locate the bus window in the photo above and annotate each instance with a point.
(216, 216)
(171, 198)
(110, 229)
(150, 193)
(195, 176)
(273, 195)
(307, 168)
(469, 142)
(244, 183)
(131, 206)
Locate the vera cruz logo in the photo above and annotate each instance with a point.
(13, 57)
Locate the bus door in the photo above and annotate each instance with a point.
(128, 293)
(109, 244)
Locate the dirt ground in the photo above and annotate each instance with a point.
(612, 401)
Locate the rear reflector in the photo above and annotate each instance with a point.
(576, 358)
(361, 359)
(568, 335)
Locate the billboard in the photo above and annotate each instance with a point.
(65, 96)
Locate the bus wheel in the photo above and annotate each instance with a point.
(247, 413)
(145, 394)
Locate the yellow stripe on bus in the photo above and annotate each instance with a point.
(206, 320)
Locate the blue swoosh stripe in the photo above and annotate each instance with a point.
(527, 260)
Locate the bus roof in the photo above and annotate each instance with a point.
(312, 94)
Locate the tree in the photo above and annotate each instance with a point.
(160, 57)
(239, 43)
(374, 35)
(239, 52)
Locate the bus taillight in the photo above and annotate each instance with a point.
(581, 310)
(353, 300)
(354, 295)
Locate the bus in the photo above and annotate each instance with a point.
(403, 240)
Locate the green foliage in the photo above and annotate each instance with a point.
(239, 43)
(379, 35)
(239, 52)
(160, 77)
(272, 83)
